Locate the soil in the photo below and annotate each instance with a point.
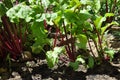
(37, 69)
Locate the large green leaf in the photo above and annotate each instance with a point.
(71, 16)
(82, 41)
(20, 11)
(40, 35)
(77, 18)
(83, 17)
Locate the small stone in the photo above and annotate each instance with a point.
(36, 77)
(15, 74)
(24, 68)
(30, 70)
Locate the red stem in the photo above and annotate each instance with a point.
(55, 39)
(72, 43)
(13, 36)
(45, 24)
(91, 49)
(70, 54)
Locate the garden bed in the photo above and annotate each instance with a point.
(37, 69)
(59, 40)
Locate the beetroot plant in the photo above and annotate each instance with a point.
(10, 35)
(77, 23)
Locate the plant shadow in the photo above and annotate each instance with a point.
(105, 68)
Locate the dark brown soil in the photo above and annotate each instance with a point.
(38, 70)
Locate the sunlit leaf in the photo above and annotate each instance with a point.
(52, 56)
(110, 52)
(40, 35)
(82, 41)
(98, 22)
(109, 14)
(106, 26)
(97, 5)
(20, 11)
(80, 59)
(45, 3)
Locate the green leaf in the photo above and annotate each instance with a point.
(40, 17)
(96, 5)
(74, 65)
(8, 3)
(59, 19)
(24, 11)
(90, 62)
(2, 9)
(20, 11)
(80, 59)
(82, 41)
(38, 29)
(110, 52)
(88, 26)
(98, 22)
(109, 14)
(36, 47)
(71, 16)
(83, 17)
(52, 56)
(107, 25)
(40, 35)
(50, 18)
(45, 3)
(75, 3)
(37, 9)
